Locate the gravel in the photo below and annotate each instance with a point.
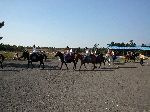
(115, 88)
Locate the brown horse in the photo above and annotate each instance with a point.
(1, 60)
(86, 59)
(130, 57)
(66, 59)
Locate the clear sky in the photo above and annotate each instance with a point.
(76, 23)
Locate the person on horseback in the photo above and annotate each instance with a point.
(67, 54)
(34, 55)
(34, 48)
(87, 54)
(113, 56)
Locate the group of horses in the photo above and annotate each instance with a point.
(70, 58)
(75, 57)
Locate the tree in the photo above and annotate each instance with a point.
(143, 45)
(1, 24)
(132, 44)
(95, 47)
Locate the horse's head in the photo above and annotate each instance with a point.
(57, 53)
(25, 54)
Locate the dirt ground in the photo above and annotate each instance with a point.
(116, 88)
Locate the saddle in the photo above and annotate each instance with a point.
(87, 59)
(67, 58)
(34, 56)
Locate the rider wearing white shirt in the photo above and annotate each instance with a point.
(34, 48)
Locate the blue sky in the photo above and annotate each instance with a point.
(76, 23)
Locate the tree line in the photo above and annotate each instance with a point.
(11, 48)
(129, 44)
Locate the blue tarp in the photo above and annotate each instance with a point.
(130, 48)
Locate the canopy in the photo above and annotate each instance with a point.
(129, 48)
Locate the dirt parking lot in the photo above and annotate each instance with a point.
(118, 88)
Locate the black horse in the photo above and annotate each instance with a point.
(66, 59)
(33, 57)
(1, 60)
(100, 59)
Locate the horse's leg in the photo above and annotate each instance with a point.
(74, 65)
(85, 66)
(28, 63)
(1, 65)
(108, 61)
(66, 65)
(43, 64)
(94, 66)
(40, 64)
(81, 65)
(113, 61)
(61, 65)
(100, 63)
(31, 64)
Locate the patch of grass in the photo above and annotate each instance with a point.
(8, 55)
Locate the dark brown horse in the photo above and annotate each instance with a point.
(86, 59)
(33, 57)
(66, 59)
(1, 60)
(90, 59)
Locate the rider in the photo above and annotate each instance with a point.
(34, 52)
(87, 51)
(87, 54)
(34, 48)
(67, 53)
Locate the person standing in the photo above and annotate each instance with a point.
(141, 58)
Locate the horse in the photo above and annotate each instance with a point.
(99, 59)
(110, 58)
(25, 55)
(33, 57)
(130, 56)
(2, 60)
(66, 59)
(45, 56)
